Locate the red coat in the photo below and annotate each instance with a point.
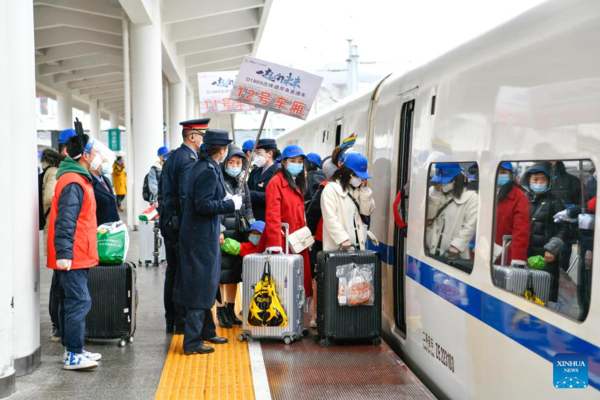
(284, 204)
(247, 248)
(512, 218)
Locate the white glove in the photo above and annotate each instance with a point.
(237, 201)
(274, 250)
(518, 264)
(586, 221)
(64, 264)
(228, 197)
(562, 216)
(372, 238)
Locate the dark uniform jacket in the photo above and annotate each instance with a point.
(231, 266)
(106, 202)
(565, 186)
(199, 273)
(174, 185)
(313, 180)
(258, 186)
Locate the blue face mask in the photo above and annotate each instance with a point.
(254, 239)
(104, 171)
(535, 188)
(233, 172)
(503, 179)
(294, 169)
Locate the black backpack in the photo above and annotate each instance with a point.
(146, 187)
(42, 215)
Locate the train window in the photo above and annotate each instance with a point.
(452, 205)
(433, 105)
(325, 136)
(544, 233)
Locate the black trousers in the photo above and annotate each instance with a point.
(120, 199)
(54, 300)
(174, 314)
(199, 326)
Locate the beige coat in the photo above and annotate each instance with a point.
(48, 185)
(456, 224)
(341, 220)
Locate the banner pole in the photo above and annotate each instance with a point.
(232, 127)
(247, 167)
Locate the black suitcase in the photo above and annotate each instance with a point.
(114, 303)
(335, 322)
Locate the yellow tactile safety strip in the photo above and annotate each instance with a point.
(224, 374)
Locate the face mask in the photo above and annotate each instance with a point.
(104, 171)
(254, 239)
(503, 179)
(96, 162)
(259, 161)
(355, 181)
(535, 188)
(448, 187)
(165, 158)
(294, 169)
(233, 172)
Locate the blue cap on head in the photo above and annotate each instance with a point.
(358, 164)
(217, 137)
(65, 135)
(292, 151)
(507, 165)
(163, 151)
(257, 226)
(445, 172)
(248, 145)
(345, 152)
(315, 158)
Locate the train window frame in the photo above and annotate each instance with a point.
(464, 265)
(583, 314)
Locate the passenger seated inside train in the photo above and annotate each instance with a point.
(553, 225)
(451, 216)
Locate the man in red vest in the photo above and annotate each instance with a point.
(72, 247)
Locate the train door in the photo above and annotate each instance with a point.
(338, 132)
(406, 121)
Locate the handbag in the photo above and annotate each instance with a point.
(265, 308)
(301, 240)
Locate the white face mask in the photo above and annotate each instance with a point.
(259, 161)
(448, 187)
(96, 162)
(355, 181)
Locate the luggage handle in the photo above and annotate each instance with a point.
(286, 232)
(506, 239)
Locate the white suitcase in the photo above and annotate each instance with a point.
(152, 248)
(287, 271)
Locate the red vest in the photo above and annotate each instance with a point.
(85, 246)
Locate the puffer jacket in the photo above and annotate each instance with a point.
(313, 180)
(545, 234)
(231, 266)
(565, 186)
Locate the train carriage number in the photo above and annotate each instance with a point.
(435, 350)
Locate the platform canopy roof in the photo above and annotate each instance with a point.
(79, 43)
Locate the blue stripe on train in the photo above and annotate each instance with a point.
(540, 337)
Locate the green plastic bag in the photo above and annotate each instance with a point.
(231, 246)
(113, 243)
(536, 262)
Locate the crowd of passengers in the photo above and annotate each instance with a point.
(545, 212)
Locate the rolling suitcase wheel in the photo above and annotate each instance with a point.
(305, 332)
(241, 337)
(316, 338)
(377, 341)
(122, 343)
(287, 340)
(325, 343)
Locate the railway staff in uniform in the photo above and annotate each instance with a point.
(197, 284)
(264, 159)
(173, 191)
(451, 213)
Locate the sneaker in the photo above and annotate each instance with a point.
(92, 356)
(75, 361)
(55, 335)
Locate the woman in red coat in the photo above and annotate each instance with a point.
(285, 204)
(512, 218)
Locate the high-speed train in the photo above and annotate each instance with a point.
(526, 91)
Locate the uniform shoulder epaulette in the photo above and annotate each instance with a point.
(211, 166)
(192, 156)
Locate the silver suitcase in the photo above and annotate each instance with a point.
(512, 279)
(149, 240)
(287, 271)
(542, 284)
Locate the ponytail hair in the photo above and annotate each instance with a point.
(209, 150)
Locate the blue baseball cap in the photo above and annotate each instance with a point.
(65, 135)
(508, 166)
(257, 226)
(314, 157)
(163, 151)
(445, 172)
(292, 151)
(358, 164)
(248, 145)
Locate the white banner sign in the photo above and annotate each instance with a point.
(275, 87)
(215, 88)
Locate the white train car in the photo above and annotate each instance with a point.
(528, 90)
